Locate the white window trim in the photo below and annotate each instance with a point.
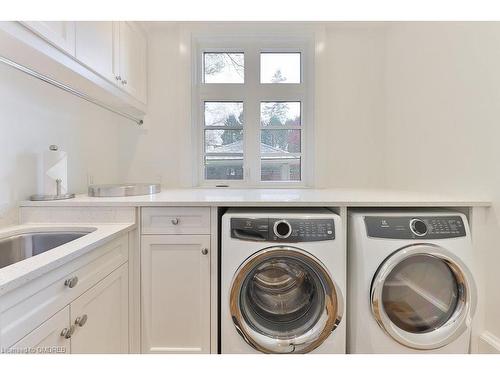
(252, 92)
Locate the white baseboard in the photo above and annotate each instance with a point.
(489, 343)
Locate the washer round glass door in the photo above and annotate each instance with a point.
(423, 296)
(283, 300)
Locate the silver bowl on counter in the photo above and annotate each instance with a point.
(123, 190)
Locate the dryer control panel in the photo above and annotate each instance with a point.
(415, 227)
(282, 229)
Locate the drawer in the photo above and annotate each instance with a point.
(25, 308)
(175, 220)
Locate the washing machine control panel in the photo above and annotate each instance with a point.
(282, 229)
(411, 227)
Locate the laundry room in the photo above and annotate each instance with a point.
(196, 183)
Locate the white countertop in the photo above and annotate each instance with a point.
(28, 269)
(277, 197)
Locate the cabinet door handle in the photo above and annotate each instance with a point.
(204, 251)
(71, 283)
(68, 332)
(175, 221)
(81, 320)
(118, 78)
(124, 82)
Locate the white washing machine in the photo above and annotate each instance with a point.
(282, 281)
(411, 289)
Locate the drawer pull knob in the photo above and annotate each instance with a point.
(68, 332)
(175, 221)
(81, 320)
(71, 283)
(204, 251)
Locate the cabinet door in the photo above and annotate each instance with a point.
(47, 337)
(59, 33)
(133, 51)
(175, 293)
(100, 316)
(96, 45)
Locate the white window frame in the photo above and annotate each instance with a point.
(252, 93)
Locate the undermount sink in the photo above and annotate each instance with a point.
(25, 245)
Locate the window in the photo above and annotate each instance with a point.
(224, 67)
(252, 107)
(280, 141)
(280, 68)
(223, 140)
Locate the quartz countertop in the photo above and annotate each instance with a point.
(276, 197)
(28, 269)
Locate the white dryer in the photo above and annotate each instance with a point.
(282, 281)
(411, 289)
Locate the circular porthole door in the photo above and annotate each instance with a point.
(283, 300)
(423, 296)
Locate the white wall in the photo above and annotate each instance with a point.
(443, 127)
(34, 115)
(162, 152)
(348, 95)
(350, 98)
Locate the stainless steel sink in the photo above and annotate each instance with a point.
(18, 247)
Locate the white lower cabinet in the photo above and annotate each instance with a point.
(100, 316)
(175, 293)
(96, 322)
(48, 337)
(80, 307)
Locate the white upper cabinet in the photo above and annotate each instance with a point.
(97, 47)
(61, 34)
(117, 51)
(133, 60)
(103, 52)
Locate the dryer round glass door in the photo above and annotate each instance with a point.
(423, 296)
(283, 300)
